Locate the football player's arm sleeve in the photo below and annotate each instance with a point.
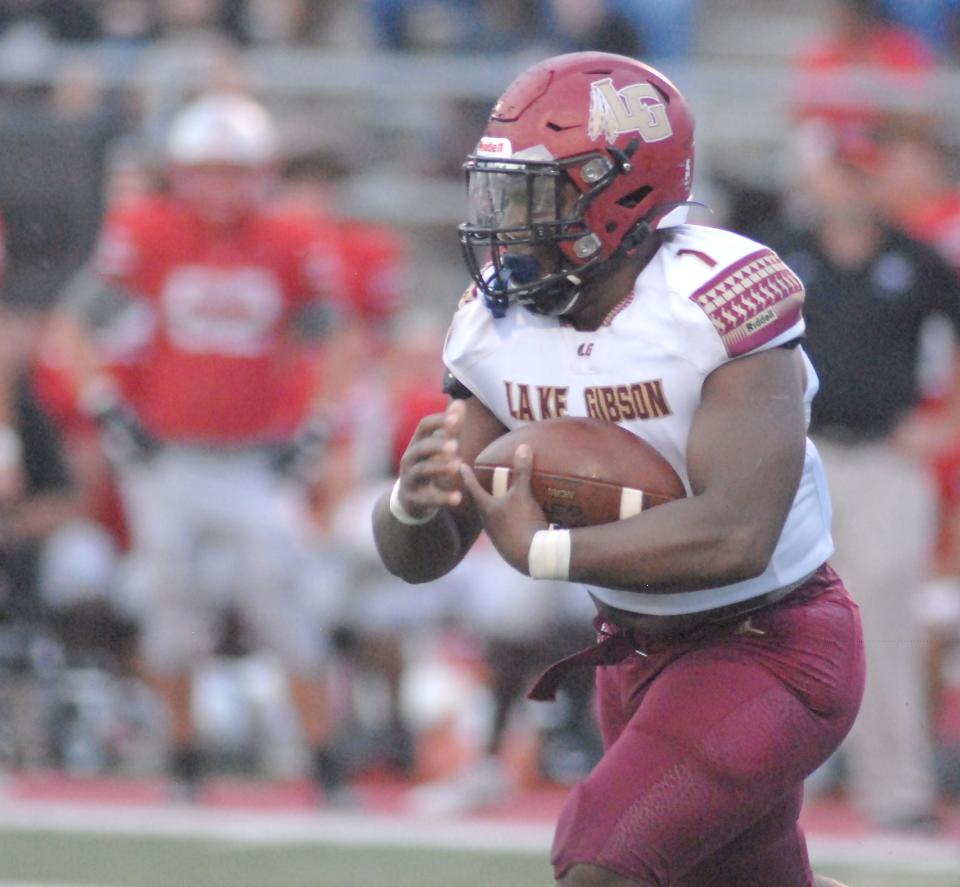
(753, 304)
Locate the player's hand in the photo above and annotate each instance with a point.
(300, 457)
(512, 519)
(125, 440)
(428, 468)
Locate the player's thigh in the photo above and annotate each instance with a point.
(276, 591)
(715, 744)
(282, 621)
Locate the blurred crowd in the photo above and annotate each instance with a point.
(404, 25)
(209, 369)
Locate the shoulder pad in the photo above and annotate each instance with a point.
(752, 301)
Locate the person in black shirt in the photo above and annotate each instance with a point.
(870, 292)
(36, 495)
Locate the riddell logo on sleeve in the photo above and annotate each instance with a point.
(760, 321)
(490, 147)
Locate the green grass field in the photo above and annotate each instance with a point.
(39, 859)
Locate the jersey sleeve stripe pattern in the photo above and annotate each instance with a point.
(752, 301)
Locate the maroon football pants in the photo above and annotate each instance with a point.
(708, 740)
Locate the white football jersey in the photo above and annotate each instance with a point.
(708, 296)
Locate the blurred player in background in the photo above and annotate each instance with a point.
(36, 493)
(37, 496)
(829, 83)
(512, 626)
(871, 290)
(915, 185)
(732, 652)
(37, 500)
(210, 313)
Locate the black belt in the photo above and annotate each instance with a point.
(613, 647)
(677, 625)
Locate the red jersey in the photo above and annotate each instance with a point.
(375, 263)
(894, 51)
(218, 362)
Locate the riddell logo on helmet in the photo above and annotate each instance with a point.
(490, 147)
(636, 108)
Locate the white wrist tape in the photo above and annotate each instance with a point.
(549, 556)
(401, 513)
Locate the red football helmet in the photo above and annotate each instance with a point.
(584, 155)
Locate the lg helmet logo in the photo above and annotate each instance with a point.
(636, 108)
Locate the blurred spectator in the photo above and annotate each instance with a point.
(592, 25)
(519, 628)
(869, 290)
(513, 626)
(940, 617)
(127, 22)
(182, 17)
(862, 69)
(936, 21)
(374, 256)
(194, 52)
(279, 22)
(218, 309)
(36, 499)
(385, 386)
(916, 185)
(55, 127)
(375, 275)
(477, 25)
(36, 495)
(74, 19)
(664, 29)
(395, 28)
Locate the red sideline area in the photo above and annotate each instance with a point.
(827, 817)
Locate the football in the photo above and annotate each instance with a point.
(585, 471)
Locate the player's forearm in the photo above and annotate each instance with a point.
(679, 546)
(417, 553)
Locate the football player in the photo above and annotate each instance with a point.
(731, 653)
(211, 312)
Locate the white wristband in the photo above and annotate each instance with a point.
(401, 513)
(549, 556)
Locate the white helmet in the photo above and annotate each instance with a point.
(222, 128)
